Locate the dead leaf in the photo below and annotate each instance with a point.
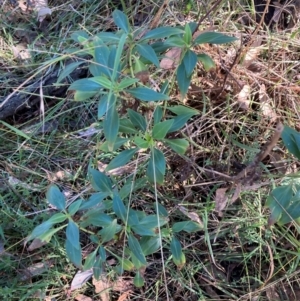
(102, 287)
(124, 296)
(171, 59)
(80, 279)
(192, 215)
(252, 54)
(143, 76)
(36, 244)
(42, 9)
(81, 297)
(265, 105)
(35, 270)
(237, 193)
(244, 98)
(221, 200)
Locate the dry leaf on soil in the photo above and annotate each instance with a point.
(102, 287)
(171, 59)
(221, 200)
(252, 54)
(36, 244)
(35, 270)
(125, 296)
(81, 297)
(192, 215)
(244, 98)
(80, 279)
(265, 105)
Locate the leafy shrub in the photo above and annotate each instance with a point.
(284, 201)
(106, 216)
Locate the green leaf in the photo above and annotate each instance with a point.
(79, 36)
(136, 249)
(127, 127)
(292, 213)
(150, 245)
(156, 167)
(46, 237)
(176, 42)
(84, 95)
(118, 143)
(213, 38)
(137, 120)
(102, 254)
(39, 230)
(177, 254)
(108, 37)
(94, 200)
(278, 201)
(127, 188)
(151, 221)
(122, 159)
(126, 82)
(126, 264)
(183, 79)
(138, 65)
(157, 116)
(119, 208)
(111, 125)
(72, 233)
(141, 142)
(74, 254)
(96, 218)
(56, 198)
(142, 230)
(187, 37)
(161, 210)
(190, 61)
(179, 122)
(102, 105)
(207, 62)
(133, 218)
(146, 94)
(165, 87)
(108, 232)
(182, 110)
(74, 207)
(291, 140)
(57, 218)
(90, 260)
(148, 53)
(161, 129)
(101, 60)
(187, 226)
(159, 47)
(85, 85)
(178, 145)
(112, 64)
(116, 56)
(68, 70)
(100, 182)
(162, 32)
(103, 81)
(98, 268)
(121, 20)
(138, 280)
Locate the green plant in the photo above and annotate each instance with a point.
(113, 73)
(284, 201)
(106, 216)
